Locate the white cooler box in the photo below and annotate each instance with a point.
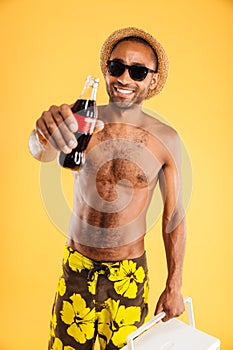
(171, 335)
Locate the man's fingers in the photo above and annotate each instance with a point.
(159, 308)
(68, 117)
(60, 141)
(171, 304)
(94, 125)
(166, 318)
(172, 312)
(41, 127)
(71, 123)
(169, 315)
(99, 125)
(68, 137)
(58, 125)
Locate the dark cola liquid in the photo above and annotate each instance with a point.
(73, 160)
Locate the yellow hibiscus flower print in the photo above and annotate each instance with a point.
(118, 324)
(146, 292)
(126, 278)
(57, 345)
(79, 318)
(74, 263)
(62, 286)
(92, 284)
(53, 324)
(66, 254)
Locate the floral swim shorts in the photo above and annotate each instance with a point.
(108, 299)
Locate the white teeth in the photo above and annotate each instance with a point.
(126, 92)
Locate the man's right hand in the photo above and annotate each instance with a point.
(57, 126)
(54, 132)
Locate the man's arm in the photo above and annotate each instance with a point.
(174, 231)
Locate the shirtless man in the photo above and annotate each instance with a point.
(103, 288)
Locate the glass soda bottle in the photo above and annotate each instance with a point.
(85, 112)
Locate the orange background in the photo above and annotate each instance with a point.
(47, 49)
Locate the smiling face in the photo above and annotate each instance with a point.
(123, 90)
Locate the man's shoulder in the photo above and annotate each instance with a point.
(160, 129)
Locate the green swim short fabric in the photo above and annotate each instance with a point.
(108, 299)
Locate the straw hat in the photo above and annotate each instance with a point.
(123, 33)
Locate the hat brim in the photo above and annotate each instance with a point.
(123, 33)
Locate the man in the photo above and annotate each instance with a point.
(103, 288)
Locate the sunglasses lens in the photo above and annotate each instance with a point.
(138, 73)
(115, 68)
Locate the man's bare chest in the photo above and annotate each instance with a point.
(122, 153)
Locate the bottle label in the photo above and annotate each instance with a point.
(85, 124)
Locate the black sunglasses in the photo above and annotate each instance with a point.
(137, 72)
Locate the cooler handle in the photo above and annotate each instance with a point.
(156, 319)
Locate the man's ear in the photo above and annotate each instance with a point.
(154, 81)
